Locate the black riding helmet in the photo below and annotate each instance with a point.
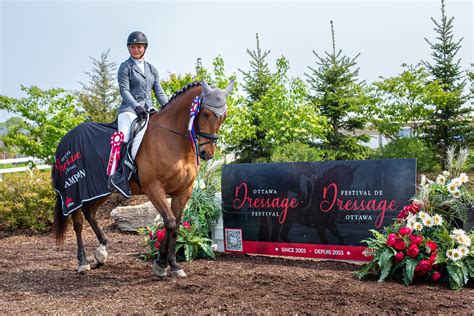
(137, 37)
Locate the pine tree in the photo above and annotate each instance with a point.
(256, 83)
(340, 97)
(100, 97)
(449, 122)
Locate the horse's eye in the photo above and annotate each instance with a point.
(206, 115)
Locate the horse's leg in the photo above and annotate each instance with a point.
(77, 221)
(178, 202)
(157, 196)
(90, 212)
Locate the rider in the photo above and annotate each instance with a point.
(136, 78)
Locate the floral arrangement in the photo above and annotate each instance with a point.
(189, 244)
(425, 243)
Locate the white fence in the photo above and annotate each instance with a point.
(21, 169)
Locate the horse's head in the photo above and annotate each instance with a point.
(210, 118)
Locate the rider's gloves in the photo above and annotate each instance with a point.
(140, 111)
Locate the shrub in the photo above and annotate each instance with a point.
(295, 152)
(409, 147)
(27, 201)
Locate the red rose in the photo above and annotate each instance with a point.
(431, 245)
(433, 258)
(404, 212)
(391, 240)
(399, 256)
(160, 235)
(186, 225)
(436, 276)
(413, 251)
(436, 266)
(423, 267)
(157, 244)
(399, 244)
(414, 208)
(404, 231)
(416, 239)
(150, 235)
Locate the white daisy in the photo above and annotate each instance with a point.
(449, 254)
(456, 255)
(422, 215)
(452, 187)
(456, 181)
(418, 226)
(457, 232)
(446, 173)
(463, 250)
(423, 180)
(428, 221)
(411, 225)
(411, 218)
(456, 194)
(441, 179)
(463, 177)
(438, 220)
(465, 240)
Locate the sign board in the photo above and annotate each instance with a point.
(312, 209)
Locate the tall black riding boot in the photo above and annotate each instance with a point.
(118, 181)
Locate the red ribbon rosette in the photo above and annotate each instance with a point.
(116, 141)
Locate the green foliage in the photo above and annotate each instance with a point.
(8, 125)
(275, 111)
(190, 245)
(341, 99)
(47, 116)
(202, 209)
(450, 195)
(27, 201)
(295, 152)
(403, 100)
(409, 147)
(449, 122)
(100, 97)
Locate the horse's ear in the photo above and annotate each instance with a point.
(205, 87)
(229, 88)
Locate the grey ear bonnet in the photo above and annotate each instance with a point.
(214, 99)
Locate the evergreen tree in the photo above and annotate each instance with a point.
(100, 97)
(341, 98)
(449, 120)
(274, 112)
(256, 83)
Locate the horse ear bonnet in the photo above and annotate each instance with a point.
(214, 99)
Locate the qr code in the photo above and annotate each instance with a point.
(233, 240)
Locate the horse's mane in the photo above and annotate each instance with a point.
(183, 90)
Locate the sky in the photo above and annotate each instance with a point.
(49, 44)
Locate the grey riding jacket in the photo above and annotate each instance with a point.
(135, 87)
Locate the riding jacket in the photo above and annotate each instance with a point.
(136, 86)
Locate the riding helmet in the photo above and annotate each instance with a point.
(137, 37)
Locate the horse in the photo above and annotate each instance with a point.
(167, 164)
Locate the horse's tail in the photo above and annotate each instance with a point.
(60, 222)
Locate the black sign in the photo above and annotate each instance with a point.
(316, 210)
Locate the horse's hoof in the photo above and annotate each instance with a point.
(178, 273)
(159, 271)
(84, 268)
(101, 254)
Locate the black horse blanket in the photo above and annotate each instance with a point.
(80, 169)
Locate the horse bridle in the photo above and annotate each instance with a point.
(213, 138)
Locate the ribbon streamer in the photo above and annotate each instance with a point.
(116, 141)
(195, 107)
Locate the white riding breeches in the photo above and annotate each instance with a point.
(125, 120)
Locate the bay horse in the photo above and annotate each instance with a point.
(167, 165)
